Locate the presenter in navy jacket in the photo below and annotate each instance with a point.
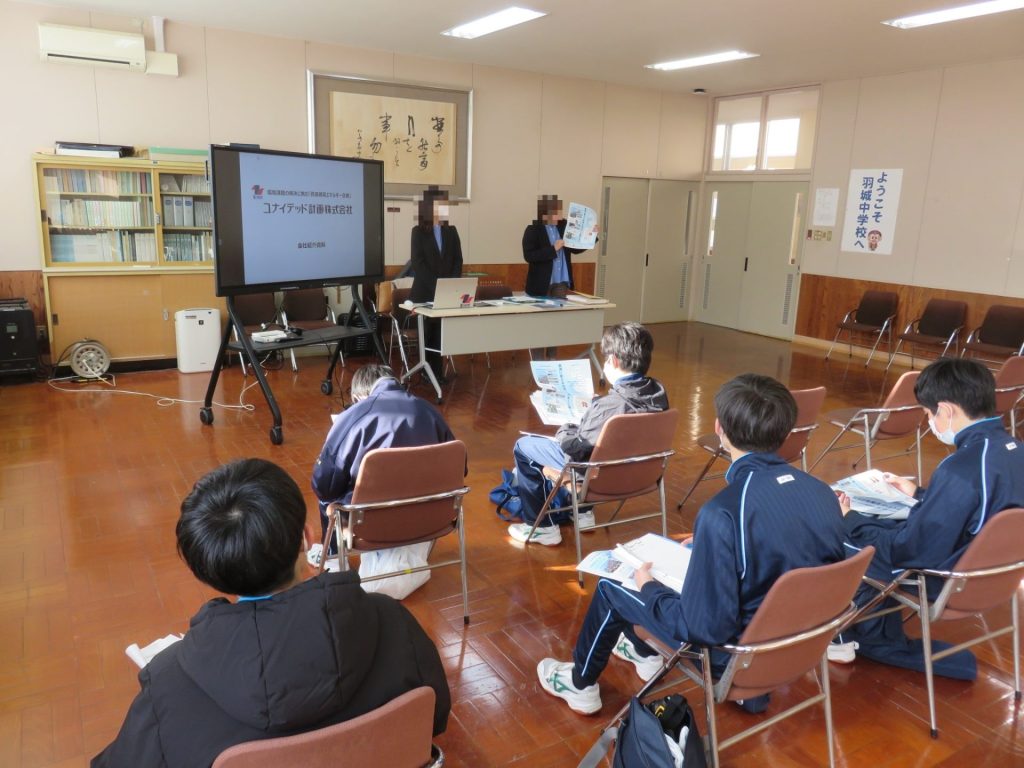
(550, 270)
(984, 476)
(436, 252)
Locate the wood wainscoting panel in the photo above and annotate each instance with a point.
(825, 300)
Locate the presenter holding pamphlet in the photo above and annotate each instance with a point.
(436, 252)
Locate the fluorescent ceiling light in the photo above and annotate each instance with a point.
(500, 20)
(955, 14)
(700, 61)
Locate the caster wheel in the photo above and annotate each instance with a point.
(440, 400)
(276, 435)
(326, 386)
(206, 415)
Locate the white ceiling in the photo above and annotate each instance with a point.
(799, 41)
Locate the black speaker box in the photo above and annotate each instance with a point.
(19, 348)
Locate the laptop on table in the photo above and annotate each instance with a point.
(454, 292)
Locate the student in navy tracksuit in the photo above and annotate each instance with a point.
(770, 519)
(983, 477)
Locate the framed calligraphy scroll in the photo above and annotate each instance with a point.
(421, 133)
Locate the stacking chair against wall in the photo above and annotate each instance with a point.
(899, 416)
(873, 318)
(787, 638)
(628, 461)
(1000, 335)
(808, 407)
(988, 574)
(309, 310)
(257, 312)
(939, 328)
(404, 496)
(1010, 389)
(367, 740)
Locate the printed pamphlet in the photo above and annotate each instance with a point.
(871, 494)
(142, 656)
(669, 560)
(580, 227)
(566, 390)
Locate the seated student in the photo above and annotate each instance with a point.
(288, 655)
(627, 349)
(382, 415)
(770, 519)
(984, 476)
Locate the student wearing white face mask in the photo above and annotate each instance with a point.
(984, 476)
(627, 348)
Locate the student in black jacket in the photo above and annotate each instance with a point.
(436, 252)
(288, 656)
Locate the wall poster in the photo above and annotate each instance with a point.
(872, 202)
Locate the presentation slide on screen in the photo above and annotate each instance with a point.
(302, 219)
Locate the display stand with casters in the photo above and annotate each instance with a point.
(250, 351)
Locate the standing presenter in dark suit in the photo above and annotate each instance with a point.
(436, 252)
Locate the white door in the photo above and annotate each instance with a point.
(622, 247)
(722, 252)
(672, 210)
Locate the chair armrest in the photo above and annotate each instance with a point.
(851, 315)
(913, 325)
(972, 335)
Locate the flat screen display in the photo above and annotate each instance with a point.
(284, 220)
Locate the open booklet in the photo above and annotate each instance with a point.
(142, 656)
(669, 560)
(871, 494)
(566, 390)
(580, 227)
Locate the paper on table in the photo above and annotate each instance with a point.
(871, 494)
(142, 656)
(580, 227)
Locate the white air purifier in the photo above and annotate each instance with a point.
(197, 338)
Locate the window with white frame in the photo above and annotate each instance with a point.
(768, 132)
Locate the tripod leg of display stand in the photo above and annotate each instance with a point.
(276, 435)
(206, 412)
(422, 364)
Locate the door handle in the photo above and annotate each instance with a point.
(647, 260)
(745, 262)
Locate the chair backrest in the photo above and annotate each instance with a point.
(1009, 383)
(489, 292)
(1000, 542)
(800, 601)
(901, 422)
(876, 307)
(389, 474)
(808, 407)
(626, 436)
(941, 317)
(255, 308)
(305, 305)
(399, 296)
(369, 739)
(1003, 326)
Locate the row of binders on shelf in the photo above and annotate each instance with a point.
(183, 211)
(109, 183)
(105, 247)
(100, 213)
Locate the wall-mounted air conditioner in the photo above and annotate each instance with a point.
(97, 47)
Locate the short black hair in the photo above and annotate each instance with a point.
(756, 412)
(962, 381)
(240, 528)
(364, 380)
(629, 343)
(547, 204)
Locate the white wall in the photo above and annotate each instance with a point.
(532, 134)
(956, 133)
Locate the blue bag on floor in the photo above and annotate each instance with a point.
(508, 506)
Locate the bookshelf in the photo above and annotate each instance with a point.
(125, 244)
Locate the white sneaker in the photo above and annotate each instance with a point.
(556, 678)
(587, 521)
(646, 666)
(548, 535)
(842, 653)
(313, 555)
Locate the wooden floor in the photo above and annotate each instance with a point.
(90, 484)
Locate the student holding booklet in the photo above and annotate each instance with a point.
(770, 519)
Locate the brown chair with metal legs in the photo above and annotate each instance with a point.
(1010, 389)
(628, 461)
(808, 407)
(403, 496)
(988, 574)
(939, 328)
(899, 416)
(309, 310)
(786, 639)
(362, 741)
(1000, 335)
(256, 312)
(873, 317)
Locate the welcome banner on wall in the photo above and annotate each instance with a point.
(872, 203)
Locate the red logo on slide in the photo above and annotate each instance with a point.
(257, 191)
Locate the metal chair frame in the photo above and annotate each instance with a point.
(869, 431)
(884, 330)
(344, 518)
(578, 474)
(954, 338)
